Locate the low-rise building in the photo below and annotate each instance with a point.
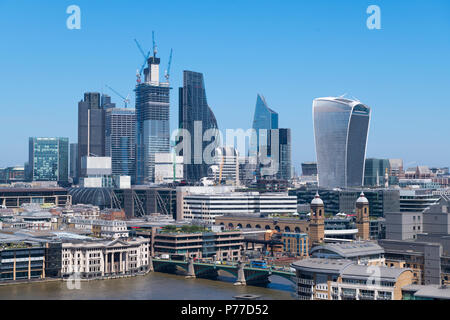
(226, 245)
(339, 279)
(97, 259)
(361, 252)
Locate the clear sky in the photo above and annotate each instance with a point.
(289, 51)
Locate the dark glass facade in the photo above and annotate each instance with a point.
(49, 159)
(196, 117)
(91, 127)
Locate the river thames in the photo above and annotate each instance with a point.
(153, 286)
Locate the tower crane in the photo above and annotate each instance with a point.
(146, 56)
(167, 75)
(125, 100)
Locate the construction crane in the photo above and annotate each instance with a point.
(167, 75)
(146, 56)
(155, 49)
(125, 100)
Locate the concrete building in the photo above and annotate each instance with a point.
(226, 166)
(16, 197)
(217, 245)
(168, 168)
(403, 225)
(339, 279)
(207, 206)
(98, 259)
(112, 229)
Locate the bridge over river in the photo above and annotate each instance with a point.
(243, 272)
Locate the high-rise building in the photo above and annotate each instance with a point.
(264, 120)
(341, 129)
(73, 160)
(284, 171)
(91, 126)
(195, 117)
(375, 172)
(152, 121)
(120, 145)
(49, 159)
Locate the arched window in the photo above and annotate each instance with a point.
(267, 227)
(277, 228)
(230, 225)
(297, 230)
(248, 225)
(239, 226)
(287, 229)
(258, 226)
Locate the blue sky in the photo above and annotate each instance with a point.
(289, 51)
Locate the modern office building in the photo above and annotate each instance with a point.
(152, 121)
(195, 118)
(341, 129)
(226, 166)
(13, 174)
(168, 168)
(281, 161)
(120, 145)
(376, 171)
(381, 201)
(73, 156)
(206, 207)
(91, 126)
(309, 168)
(416, 200)
(342, 279)
(264, 120)
(217, 245)
(49, 159)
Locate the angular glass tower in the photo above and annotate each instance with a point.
(341, 128)
(152, 121)
(265, 119)
(49, 159)
(196, 117)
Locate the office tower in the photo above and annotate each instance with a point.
(375, 172)
(91, 127)
(152, 121)
(309, 168)
(226, 166)
(284, 168)
(120, 127)
(195, 117)
(264, 120)
(49, 159)
(341, 129)
(73, 160)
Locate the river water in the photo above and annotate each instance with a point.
(153, 286)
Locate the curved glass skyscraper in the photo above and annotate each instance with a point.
(264, 120)
(196, 117)
(341, 128)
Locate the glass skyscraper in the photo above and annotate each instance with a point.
(375, 171)
(265, 119)
(195, 116)
(341, 128)
(120, 124)
(152, 121)
(49, 159)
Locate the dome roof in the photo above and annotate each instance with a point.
(317, 201)
(362, 199)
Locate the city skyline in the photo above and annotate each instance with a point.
(405, 88)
